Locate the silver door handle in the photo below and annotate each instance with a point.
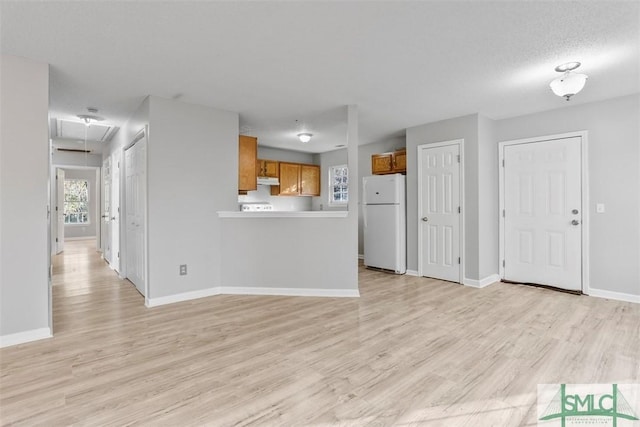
(575, 222)
(425, 219)
(113, 218)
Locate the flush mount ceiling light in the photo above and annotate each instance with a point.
(305, 137)
(91, 117)
(569, 83)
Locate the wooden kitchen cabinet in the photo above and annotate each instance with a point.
(385, 163)
(298, 179)
(309, 180)
(248, 153)
(267, 168)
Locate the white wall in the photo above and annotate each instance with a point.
(85, 230)
(296, 253)
(270, 153)
(24, 169)
(364, 169)
(62, 158)
(614, 179)
(192, 159)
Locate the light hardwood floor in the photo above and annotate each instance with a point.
(409, 352)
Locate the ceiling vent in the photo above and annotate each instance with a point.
(73, 150)
(75, 130)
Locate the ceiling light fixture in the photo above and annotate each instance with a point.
(569, 83)
(305, 137)
(91, 117)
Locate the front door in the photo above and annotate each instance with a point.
(542, 213)
(439, 212)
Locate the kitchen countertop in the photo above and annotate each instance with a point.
(283, 214)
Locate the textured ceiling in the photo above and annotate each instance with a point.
(403, 63)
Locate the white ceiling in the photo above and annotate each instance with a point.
(403, 63)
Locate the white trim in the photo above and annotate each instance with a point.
(412, 273)
(460, 143)
(618, 296)
(482, 283)
(24, 337)
(283, 214)
(584, 166)
(80, 238)
(184, 296)
(293, 292)
(360, 256)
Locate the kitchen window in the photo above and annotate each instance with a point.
(338, 185)
(76, 201)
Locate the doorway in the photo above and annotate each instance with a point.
(440, 218)
(544, 211)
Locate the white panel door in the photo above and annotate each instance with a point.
(105, 231)
(439, 212)
(114, 234)
(542, 218)
(135, 195)
(60, 210)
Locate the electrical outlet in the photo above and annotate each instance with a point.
(183, 269)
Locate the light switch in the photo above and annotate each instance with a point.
(599, 207)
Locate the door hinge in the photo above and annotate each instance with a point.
(502, 162)
(56, 239)
(458, 260)
(503, 264)
(56, 209)
(503, 213)
(458, 156)
(118, 256)
(459, 210)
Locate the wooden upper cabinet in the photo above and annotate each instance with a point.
(297, 179)
(289, 179)
(381, 163)
(385, 163)
(248, 153)
(267, 168)
(309, 180)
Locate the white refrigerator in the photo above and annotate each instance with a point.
(384, 212)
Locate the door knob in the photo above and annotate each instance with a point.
(574, 211)
(425, 219)
(575, 222)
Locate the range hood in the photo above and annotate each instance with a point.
(266, 180)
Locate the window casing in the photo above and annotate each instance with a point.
(338, 185)
(76, 201)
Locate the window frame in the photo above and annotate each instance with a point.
(331, 193)
(86, 203)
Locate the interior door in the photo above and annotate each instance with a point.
(542, 218)
(105, 230)
(115, 212)
(439, 212)
(135, 196)
(59, 210)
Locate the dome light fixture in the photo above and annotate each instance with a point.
(569, 83)
(91, 117)
(305, 137)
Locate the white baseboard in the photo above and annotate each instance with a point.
(360, 256)
(185, 296)
(26, 336)
(412, 273)
(618, 296)
(292, 292)
(493, 278)
(80, 238)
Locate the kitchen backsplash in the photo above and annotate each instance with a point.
(279, 203)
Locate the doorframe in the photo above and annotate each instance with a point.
(584, 176)
(420, 148)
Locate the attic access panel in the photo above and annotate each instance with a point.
(67, 129)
